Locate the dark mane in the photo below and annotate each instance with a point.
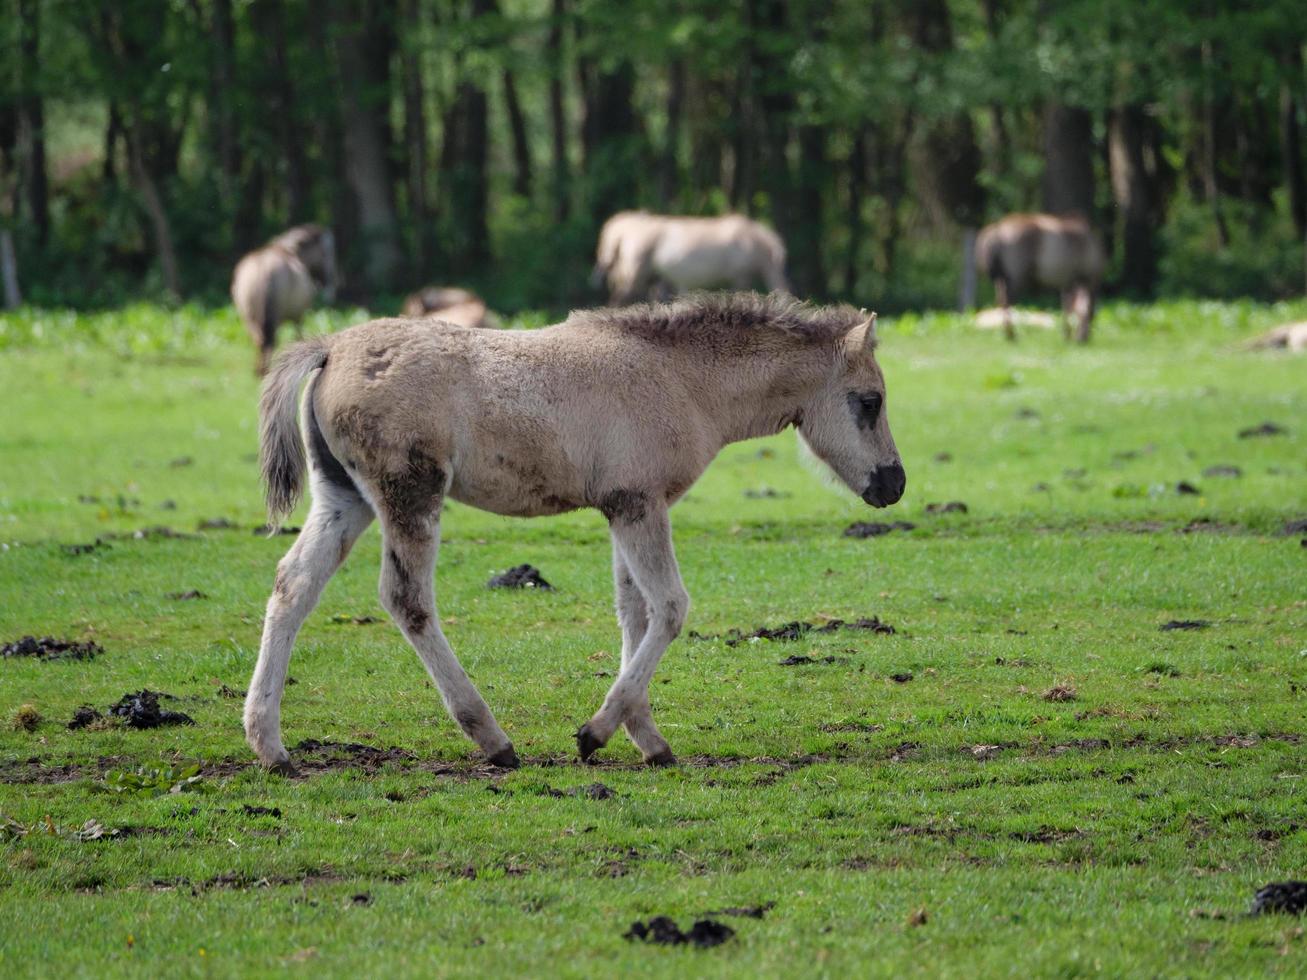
(723, 317)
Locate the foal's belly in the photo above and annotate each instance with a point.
(514, 490)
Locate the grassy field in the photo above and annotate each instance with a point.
(1029, 777)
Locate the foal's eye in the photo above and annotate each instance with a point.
(866, 407)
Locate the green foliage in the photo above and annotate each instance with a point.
(156, 780)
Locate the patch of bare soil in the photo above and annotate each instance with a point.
(520, 577)
(802, 661)
(1223, 471)
(874, 529)
(316, 756)
(84, 717)
(218, 524)
(1185, 488)
(951, 507)
(141, 710)
(794, 631)
(746, 911)
(1185, 624)
(1298, 526)
(48, 648)
(1265, 429)
(594, 791)
(187, 596)
(663, 931)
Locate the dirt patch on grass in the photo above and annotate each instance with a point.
(520, 577)
(663, 931)
(314, 755)
(794, 631)
(141, 710)
(799, 660)
(1265, 429)
(951, 507)
(48, 648)
(874, 529)
(1185, 624)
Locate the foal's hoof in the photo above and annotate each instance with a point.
(505, 758)
(586, 744)
(284, 768)
(662, 758)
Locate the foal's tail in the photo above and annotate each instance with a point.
(281, 448)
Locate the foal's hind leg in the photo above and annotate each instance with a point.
(645, 543)
(339, 515)
(408, 593)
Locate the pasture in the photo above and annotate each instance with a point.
(1028, 776)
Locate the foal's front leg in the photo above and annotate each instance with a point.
(644, 543)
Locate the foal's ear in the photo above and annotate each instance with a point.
(861, 340)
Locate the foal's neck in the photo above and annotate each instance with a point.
(763, 391)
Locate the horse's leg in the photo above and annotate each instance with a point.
(1068, 311)
(632, 613)
(1084, 306)
(645, 542)
(1003, 298)
(408, 593)
(338, 516)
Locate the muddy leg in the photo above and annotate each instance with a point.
(338, 517)
(645, 543)
(408, 593)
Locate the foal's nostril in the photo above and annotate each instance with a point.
(885, 485)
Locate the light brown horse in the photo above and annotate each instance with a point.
(641, 253)
(459, 306)
(1025, 251)
(618, 410)
(279, 282)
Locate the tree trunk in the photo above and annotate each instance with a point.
(270, 23)
(1134, 194)
(9, 271)
(611, 139)
(670, 160)
(31, 121)
(415, 136)
(113, 132)
(366, 156)
(1068, 160)
(1291, 146)
(946, 158)
(222, 28)
(1210, 186)
(562, 176)
(809, 229)
(857, 183)
(148, 188)
(775, 99)
(517, 130)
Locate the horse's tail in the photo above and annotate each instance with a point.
(281, 447)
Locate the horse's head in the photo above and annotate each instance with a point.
(845, 421)
(315, 246)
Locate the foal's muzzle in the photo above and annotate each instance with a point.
(885, 485)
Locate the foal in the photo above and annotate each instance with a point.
(619, 410)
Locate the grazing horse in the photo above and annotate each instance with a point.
(1043, 250)
(279, 281)
(1290, 336)
(640, 252)
(458, 306)
(616, 410)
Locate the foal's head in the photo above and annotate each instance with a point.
(846, 425)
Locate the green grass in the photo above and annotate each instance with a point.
(1094, 835)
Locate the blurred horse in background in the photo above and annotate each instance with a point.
(642, 255)
(1024, 251)
(459, 306)
(280, 281)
